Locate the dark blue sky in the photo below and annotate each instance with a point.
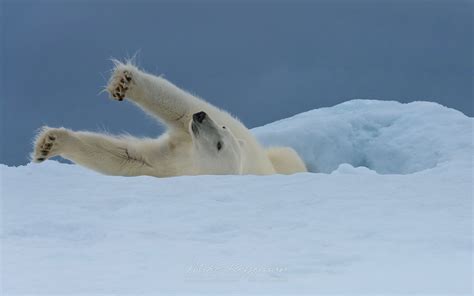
(261, 60)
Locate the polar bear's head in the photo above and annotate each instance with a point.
(216, 149)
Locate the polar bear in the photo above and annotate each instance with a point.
(200, 138)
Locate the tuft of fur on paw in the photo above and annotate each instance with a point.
(120, 81)
(46, 144)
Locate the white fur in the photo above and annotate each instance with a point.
(285, 160)
(176, 152)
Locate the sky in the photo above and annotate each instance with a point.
(259, 60)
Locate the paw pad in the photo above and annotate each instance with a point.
(45, 144)
(120, 84)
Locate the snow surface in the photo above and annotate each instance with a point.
(386, 136)
(357, 230)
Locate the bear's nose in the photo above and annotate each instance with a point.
(199, 117)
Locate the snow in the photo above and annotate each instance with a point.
(403, 224)
(385, 136)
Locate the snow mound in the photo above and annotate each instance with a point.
(385, 136)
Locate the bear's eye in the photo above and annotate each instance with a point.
(223, 127)
(219, 145)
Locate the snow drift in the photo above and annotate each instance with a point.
(388, 137)
(68, 230)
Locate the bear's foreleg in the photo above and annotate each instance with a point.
(105, 154)
(155, 95)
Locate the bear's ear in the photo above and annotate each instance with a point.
(241, 142)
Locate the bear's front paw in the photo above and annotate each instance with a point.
(120, 82)
(47, 143)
